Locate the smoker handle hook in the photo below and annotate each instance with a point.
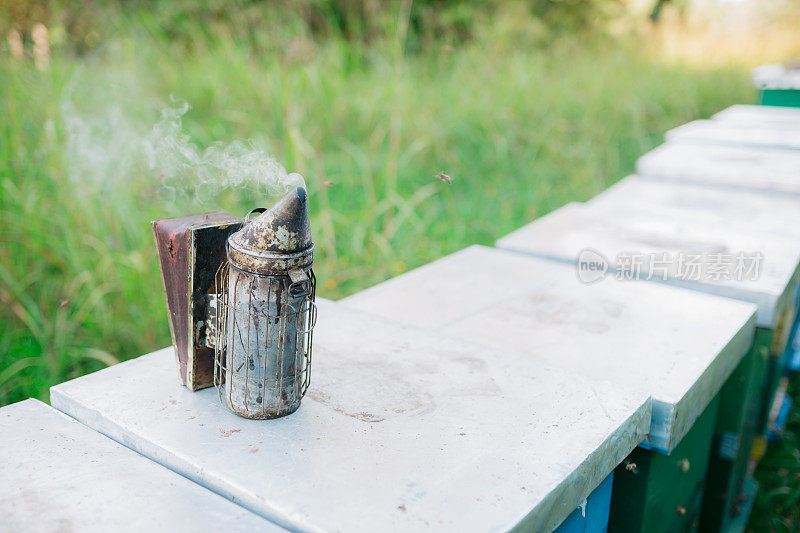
(258, 210)
(299, 283)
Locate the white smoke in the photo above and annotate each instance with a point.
(183, 168)
(108, 142)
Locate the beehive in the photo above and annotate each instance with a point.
(59, 475)
(677, 345)
(402, 429)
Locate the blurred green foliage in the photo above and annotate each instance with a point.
(523, 122)
(186, 22)
(527, 105)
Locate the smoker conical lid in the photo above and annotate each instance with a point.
(273, 240)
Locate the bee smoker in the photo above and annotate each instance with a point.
(254, 316)
(266, 312)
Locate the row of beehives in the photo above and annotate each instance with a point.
(716, 211)
(610, 365)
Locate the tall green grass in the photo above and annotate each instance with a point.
(523, 119)
(777, 505)
(522, 123)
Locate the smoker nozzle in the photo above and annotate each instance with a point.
(277, 240)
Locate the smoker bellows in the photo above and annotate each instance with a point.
(240, 296)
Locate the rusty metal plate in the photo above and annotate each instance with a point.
(190, 250)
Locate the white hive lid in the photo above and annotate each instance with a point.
(749, 212)
(776, 77)
(761, 169)
(714, 132)
(759, 114)
(59, 475)
(677, 345)
(620, 234)
(401, 429)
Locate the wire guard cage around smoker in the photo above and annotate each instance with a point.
(264, 312)
(262, 355)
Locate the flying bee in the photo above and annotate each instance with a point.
(444, 178)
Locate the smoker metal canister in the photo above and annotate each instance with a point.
(269, 310)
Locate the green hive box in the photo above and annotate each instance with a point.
(657, 217)
(655, 492)
(746, 399)
(736, 429)
(681, 345)
(778, 85)
(779, 97)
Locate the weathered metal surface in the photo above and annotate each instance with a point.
(277, 240)
(266, 312)
(267, 345)
(714, 132)
(737, 167)
(401, 430)
(746, 397)
(744, 211)
(59, 475)
(190, 250)
(759, 114)
(676, 219)
(779, 76)
(767, 216)
(616, 233)
(678, 346)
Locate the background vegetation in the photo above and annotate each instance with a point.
(527, 105)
